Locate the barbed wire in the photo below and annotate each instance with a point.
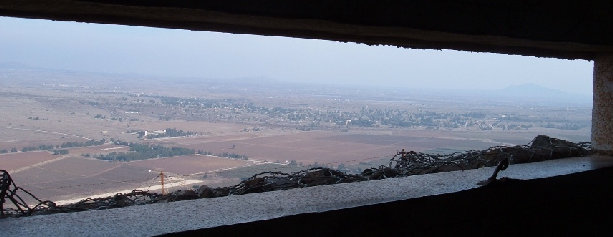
(169, 174)
(404, 163)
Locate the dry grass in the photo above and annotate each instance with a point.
(19, 160)
(189, 165)
(324, 147)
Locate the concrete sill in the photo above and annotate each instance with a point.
(161, 218)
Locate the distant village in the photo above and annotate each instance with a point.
(313, 117)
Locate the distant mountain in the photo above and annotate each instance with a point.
(14, 66)
(541, 94)
(12, 74)
(18, 74)
(531, 90)
(525, 94)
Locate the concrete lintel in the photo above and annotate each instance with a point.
(544, 29)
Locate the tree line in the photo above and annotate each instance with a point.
(170, 132)
(224, 154)
(144, 152)
(57, 149)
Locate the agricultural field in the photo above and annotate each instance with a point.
(56, 132)
(59, 177)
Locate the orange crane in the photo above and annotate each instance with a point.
(161, 175)
(162, 179)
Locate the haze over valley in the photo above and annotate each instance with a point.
(70, 134)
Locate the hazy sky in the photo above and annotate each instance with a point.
(181, 53)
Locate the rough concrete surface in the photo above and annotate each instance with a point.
(156, 219)
(546, 28)
(602, 113)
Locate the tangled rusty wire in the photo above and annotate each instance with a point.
(539, 149)
(136, 197)
(270, 181)
(402, 164)
(10, 191)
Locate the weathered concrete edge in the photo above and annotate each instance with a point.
(155, 219)
(210, 20)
